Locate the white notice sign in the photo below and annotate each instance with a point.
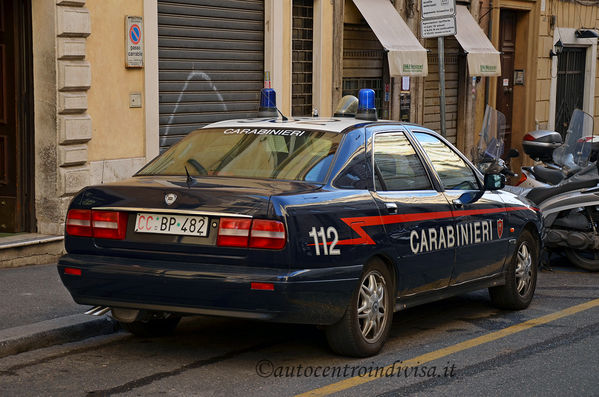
(134, 47)
(438, 27)
(437, 8)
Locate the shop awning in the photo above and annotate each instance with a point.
(483, 58)
(406, 56)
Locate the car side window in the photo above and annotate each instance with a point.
(454, 173)
(397, 165)
(355, 174)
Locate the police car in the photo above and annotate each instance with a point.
(337, 222)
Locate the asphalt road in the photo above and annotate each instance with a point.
(33, 293)
(460, 346)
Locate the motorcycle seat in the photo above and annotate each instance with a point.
(540, 194)
(547, 175)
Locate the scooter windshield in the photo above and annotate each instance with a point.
(490, 144)
(576, 150)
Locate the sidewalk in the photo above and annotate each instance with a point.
(37, 311)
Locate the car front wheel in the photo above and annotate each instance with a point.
(521, 276)
(365, 325)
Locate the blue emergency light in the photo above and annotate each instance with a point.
(268, 103)
(366, 108)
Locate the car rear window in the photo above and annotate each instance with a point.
(251, 153)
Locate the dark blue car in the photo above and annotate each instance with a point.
(337, 222)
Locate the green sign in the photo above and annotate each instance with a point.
(410, 68)
(488, 68)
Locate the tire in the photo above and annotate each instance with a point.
(521, 276)
(587, 259)
(364, 328)
(152, 327)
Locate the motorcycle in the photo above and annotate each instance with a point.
(570, 210)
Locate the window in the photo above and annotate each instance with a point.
(454, 173)
(397, 165)
(249, 153)
(303, 20)
(356, 174)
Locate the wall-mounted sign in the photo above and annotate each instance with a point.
(134, 42)
(405, 83)
(519, 77)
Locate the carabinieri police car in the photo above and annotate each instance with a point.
(335, 221)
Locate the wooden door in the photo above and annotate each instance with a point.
(8, 120)
(505, 82)
(16, 117)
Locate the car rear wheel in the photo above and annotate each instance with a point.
(152, 327)
(365, 325)
(521, 276)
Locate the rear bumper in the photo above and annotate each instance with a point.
(309, 296)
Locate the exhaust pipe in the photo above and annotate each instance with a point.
(98, 311)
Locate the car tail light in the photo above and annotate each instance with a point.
(522, 179)
(259, 233)
(233, 232)
(267, 234)
(262, 286)
(529, 137)
(71, 271)
(109, 224)
(79, 223)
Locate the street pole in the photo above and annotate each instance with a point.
(441, 48)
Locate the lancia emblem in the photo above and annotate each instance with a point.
(170, 198)
(500, 227)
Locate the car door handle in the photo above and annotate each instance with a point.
(391, 207)
(458, 203)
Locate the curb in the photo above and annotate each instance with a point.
(54, 332)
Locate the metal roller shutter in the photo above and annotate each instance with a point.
(211, 63)
(432, 115)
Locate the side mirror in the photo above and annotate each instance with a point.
(494, 181)
(513, 153)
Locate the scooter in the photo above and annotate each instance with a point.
(539, 145)
(548, 147)
(570, 210)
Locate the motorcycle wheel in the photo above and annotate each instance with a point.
(585, 259)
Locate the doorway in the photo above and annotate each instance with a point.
(570, 85)
(16, 117)
(505, 84)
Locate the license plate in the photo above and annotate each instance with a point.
(183, 225)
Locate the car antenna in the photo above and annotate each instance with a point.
(282, 115)
(189, 180)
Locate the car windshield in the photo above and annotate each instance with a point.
(251, 153)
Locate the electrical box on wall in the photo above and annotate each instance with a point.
(135, 100)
